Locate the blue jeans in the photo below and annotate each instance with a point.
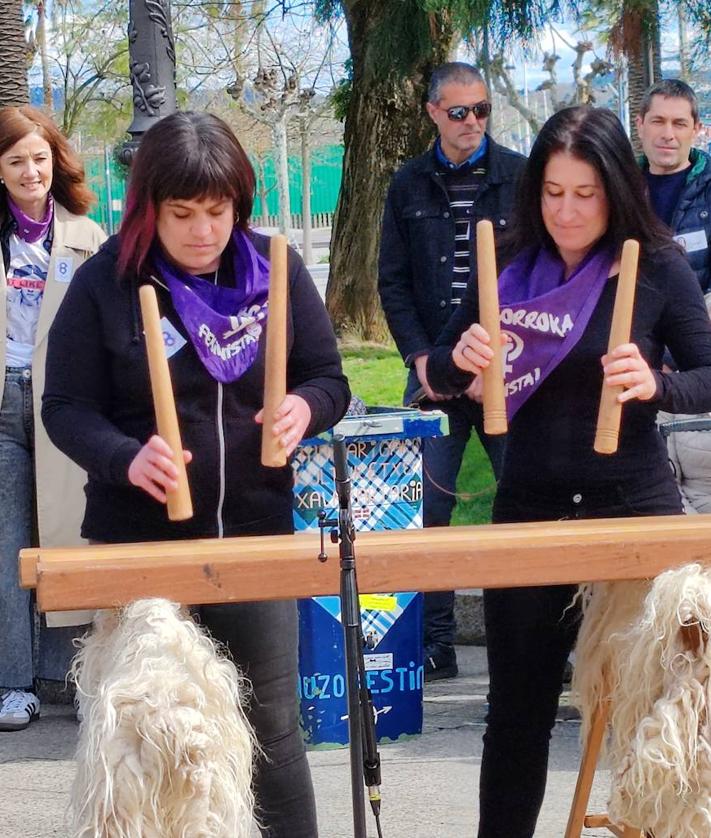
(27, 651)
(529, 635)
(262, 638)
(442, 459)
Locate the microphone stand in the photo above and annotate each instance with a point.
(364, 756)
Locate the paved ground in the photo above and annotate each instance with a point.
(429, 782)
(321, 239)
(320, 277)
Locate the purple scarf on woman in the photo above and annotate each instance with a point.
(27, 228)
(545, 315)
(224, 323)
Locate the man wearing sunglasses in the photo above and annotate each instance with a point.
(427, 258)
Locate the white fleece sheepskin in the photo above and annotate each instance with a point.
(609, 609)
(659, 749)
(164, 750)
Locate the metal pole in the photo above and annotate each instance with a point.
(525, 99)
(353, 634)
(109, 191)
(152, 67)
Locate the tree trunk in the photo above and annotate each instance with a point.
(281, 161)
(13, 67)
(44, 55)
(306, 248)
(644, 66)
(262, 192)
(637, 83)
(683, 44)
(385, 125)
(643, 69)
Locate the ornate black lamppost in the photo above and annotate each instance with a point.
(152, 66)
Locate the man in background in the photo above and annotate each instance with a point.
(678, 175)
(427, 258)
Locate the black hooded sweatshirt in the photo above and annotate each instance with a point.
(97, 407)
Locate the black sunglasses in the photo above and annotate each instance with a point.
(459, 113)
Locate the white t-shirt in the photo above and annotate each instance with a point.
(26, 279)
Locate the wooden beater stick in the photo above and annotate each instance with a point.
(610, 413)
(493, 375)
(179, 503)
(273, 455)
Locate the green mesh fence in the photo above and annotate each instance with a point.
(107, 180)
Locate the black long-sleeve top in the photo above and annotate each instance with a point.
(97, 408)
(550, 439)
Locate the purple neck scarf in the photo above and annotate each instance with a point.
(545, 315)
(224, 323)
(27, 228)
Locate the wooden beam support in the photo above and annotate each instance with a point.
(278, 567)
(586, 775)
(596, 821)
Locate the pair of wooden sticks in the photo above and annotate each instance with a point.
(179, 502)
(610, 411)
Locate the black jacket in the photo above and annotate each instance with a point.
(417, 246)
(693, 214)
(550, 440)
(97, 408)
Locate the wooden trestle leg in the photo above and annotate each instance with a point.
(578, 819)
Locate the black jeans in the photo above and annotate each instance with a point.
(441, 461)
(262, 638)
(529, 634)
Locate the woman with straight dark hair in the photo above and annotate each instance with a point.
(581, 196)
(44, 235)
(186, 233)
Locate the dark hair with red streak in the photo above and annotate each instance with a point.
(186, 156)
(68, 181)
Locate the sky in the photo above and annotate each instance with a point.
(558, 40)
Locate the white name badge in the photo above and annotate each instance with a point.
(172, 339)
(693, 241)
(64, 268)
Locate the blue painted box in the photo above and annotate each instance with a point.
(384, 457)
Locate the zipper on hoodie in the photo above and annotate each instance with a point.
(221, 443)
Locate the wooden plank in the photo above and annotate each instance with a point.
(276, 567)
(29, 559)
(596, 821)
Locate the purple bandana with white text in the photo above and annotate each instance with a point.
(545, 315)
(224, 323)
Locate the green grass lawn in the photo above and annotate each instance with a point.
(377, 375)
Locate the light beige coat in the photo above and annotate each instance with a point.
(60, 483)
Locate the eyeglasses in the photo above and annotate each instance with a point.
(459, 113)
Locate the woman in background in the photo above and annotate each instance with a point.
(45, 236)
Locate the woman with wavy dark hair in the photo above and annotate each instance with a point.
(580, 197)
(44, 235)
(186, 232)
